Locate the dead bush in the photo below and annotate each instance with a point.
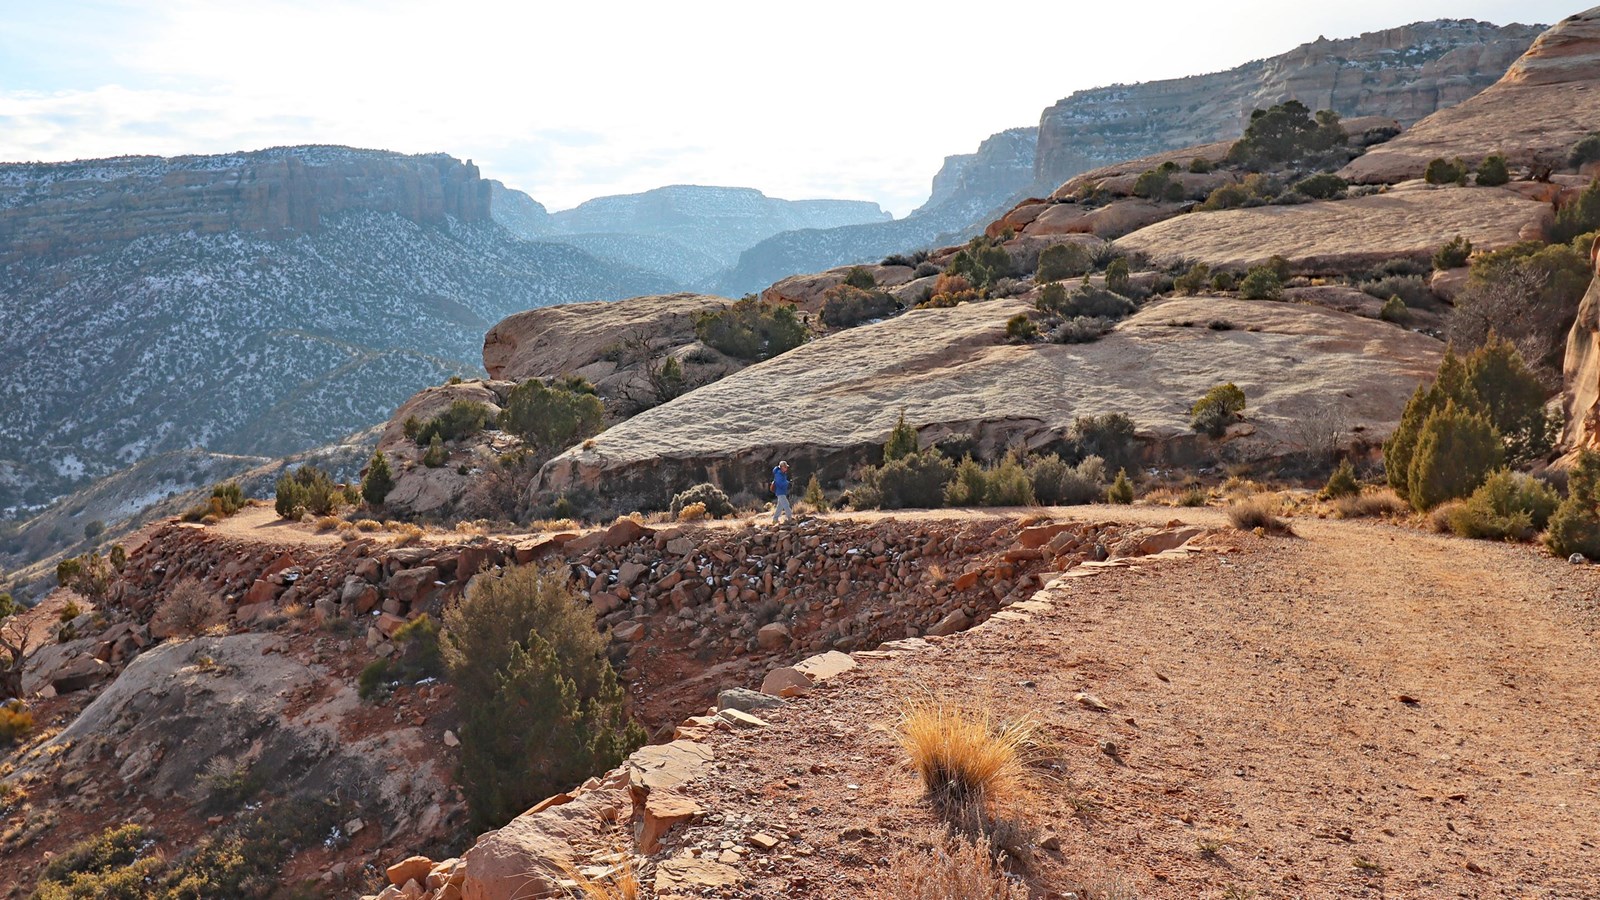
(953, 869)
(189, 610)
(1258, 512)
(1380, 504)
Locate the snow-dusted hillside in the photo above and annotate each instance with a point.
(242, 343)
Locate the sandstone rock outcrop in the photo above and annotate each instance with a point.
(1402, 73)
(573, 337)
(1546, 101)
(828, 406)
(1581, 372)
(1334, 237)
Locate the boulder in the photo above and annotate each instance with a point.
(562, 339)
(746, 700)
(774, 636)
(518, 859)
(412, 868)
(412, 586)
(1113, 220)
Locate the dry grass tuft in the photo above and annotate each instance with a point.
(619, 882)
(407, 534)
(369, 525)
(963, 756)
(470, 528)
(1381, 504)
(1439, 518)
(329, 523)
(952, 870)
(692, 512)
(1259, 512)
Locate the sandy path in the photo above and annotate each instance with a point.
(1275, 732)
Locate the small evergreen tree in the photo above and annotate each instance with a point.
(542, 707)
(1118, 277)
(902, 441)
(1454, 254)
(1456, 450)
(1121, 490)
(814, 497)
(435, 456)
(1060, 261)
(859, 277)
(1493, 172)
(379, 481)
(1342, 483)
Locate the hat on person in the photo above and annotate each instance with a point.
(784, 464)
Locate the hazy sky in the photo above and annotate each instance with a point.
(573, 100)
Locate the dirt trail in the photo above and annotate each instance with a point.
(1363, 711)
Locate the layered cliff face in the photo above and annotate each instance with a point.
(968, 191)
(1402, 73)
(56, 208)
(250, 303)
(1548, 99)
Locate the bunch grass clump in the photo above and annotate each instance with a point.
(962, 755)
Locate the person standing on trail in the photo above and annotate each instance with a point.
(780, 493)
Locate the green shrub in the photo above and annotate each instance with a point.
(1586, 150)
(1192, 281)
(1493, 172)
(1223, 280)
(982, 262)
(373, 682)
(751, 330)
(913, 481)
(90, 575)
(1119, 279)
(1454, 254)
(860, 278)
(1440, 171)
(1080, 330)
(228, 783)
(1121, 490)
(1575, 525)
(1159, 186)
(552, 417)
(1411, 289)
(1084, 301)
(1260, 283)
(1060, 261)
(967, 486)
(717, 504)
(1323, 186)
(463, 419)
(1200, 165)
(378, 481)
(846, 306)
(15, 721)
(1507, 506)
(902, 440)
(1227, 196)
(1109, 436)
(1395, 310)
(1057, 483)
(541, 706)
(1020, 329)
(1213, 413)
(112, 864)
(1580, 215)
(1455, 452)
(1009, 485)
(307, 489)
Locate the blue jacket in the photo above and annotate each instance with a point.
(780, 482)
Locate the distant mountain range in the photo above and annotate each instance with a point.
(1402, 73)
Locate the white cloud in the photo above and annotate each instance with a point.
(573, 100)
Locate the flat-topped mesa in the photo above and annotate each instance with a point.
(1402, 73)
(1547, 100)
(50, 208)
